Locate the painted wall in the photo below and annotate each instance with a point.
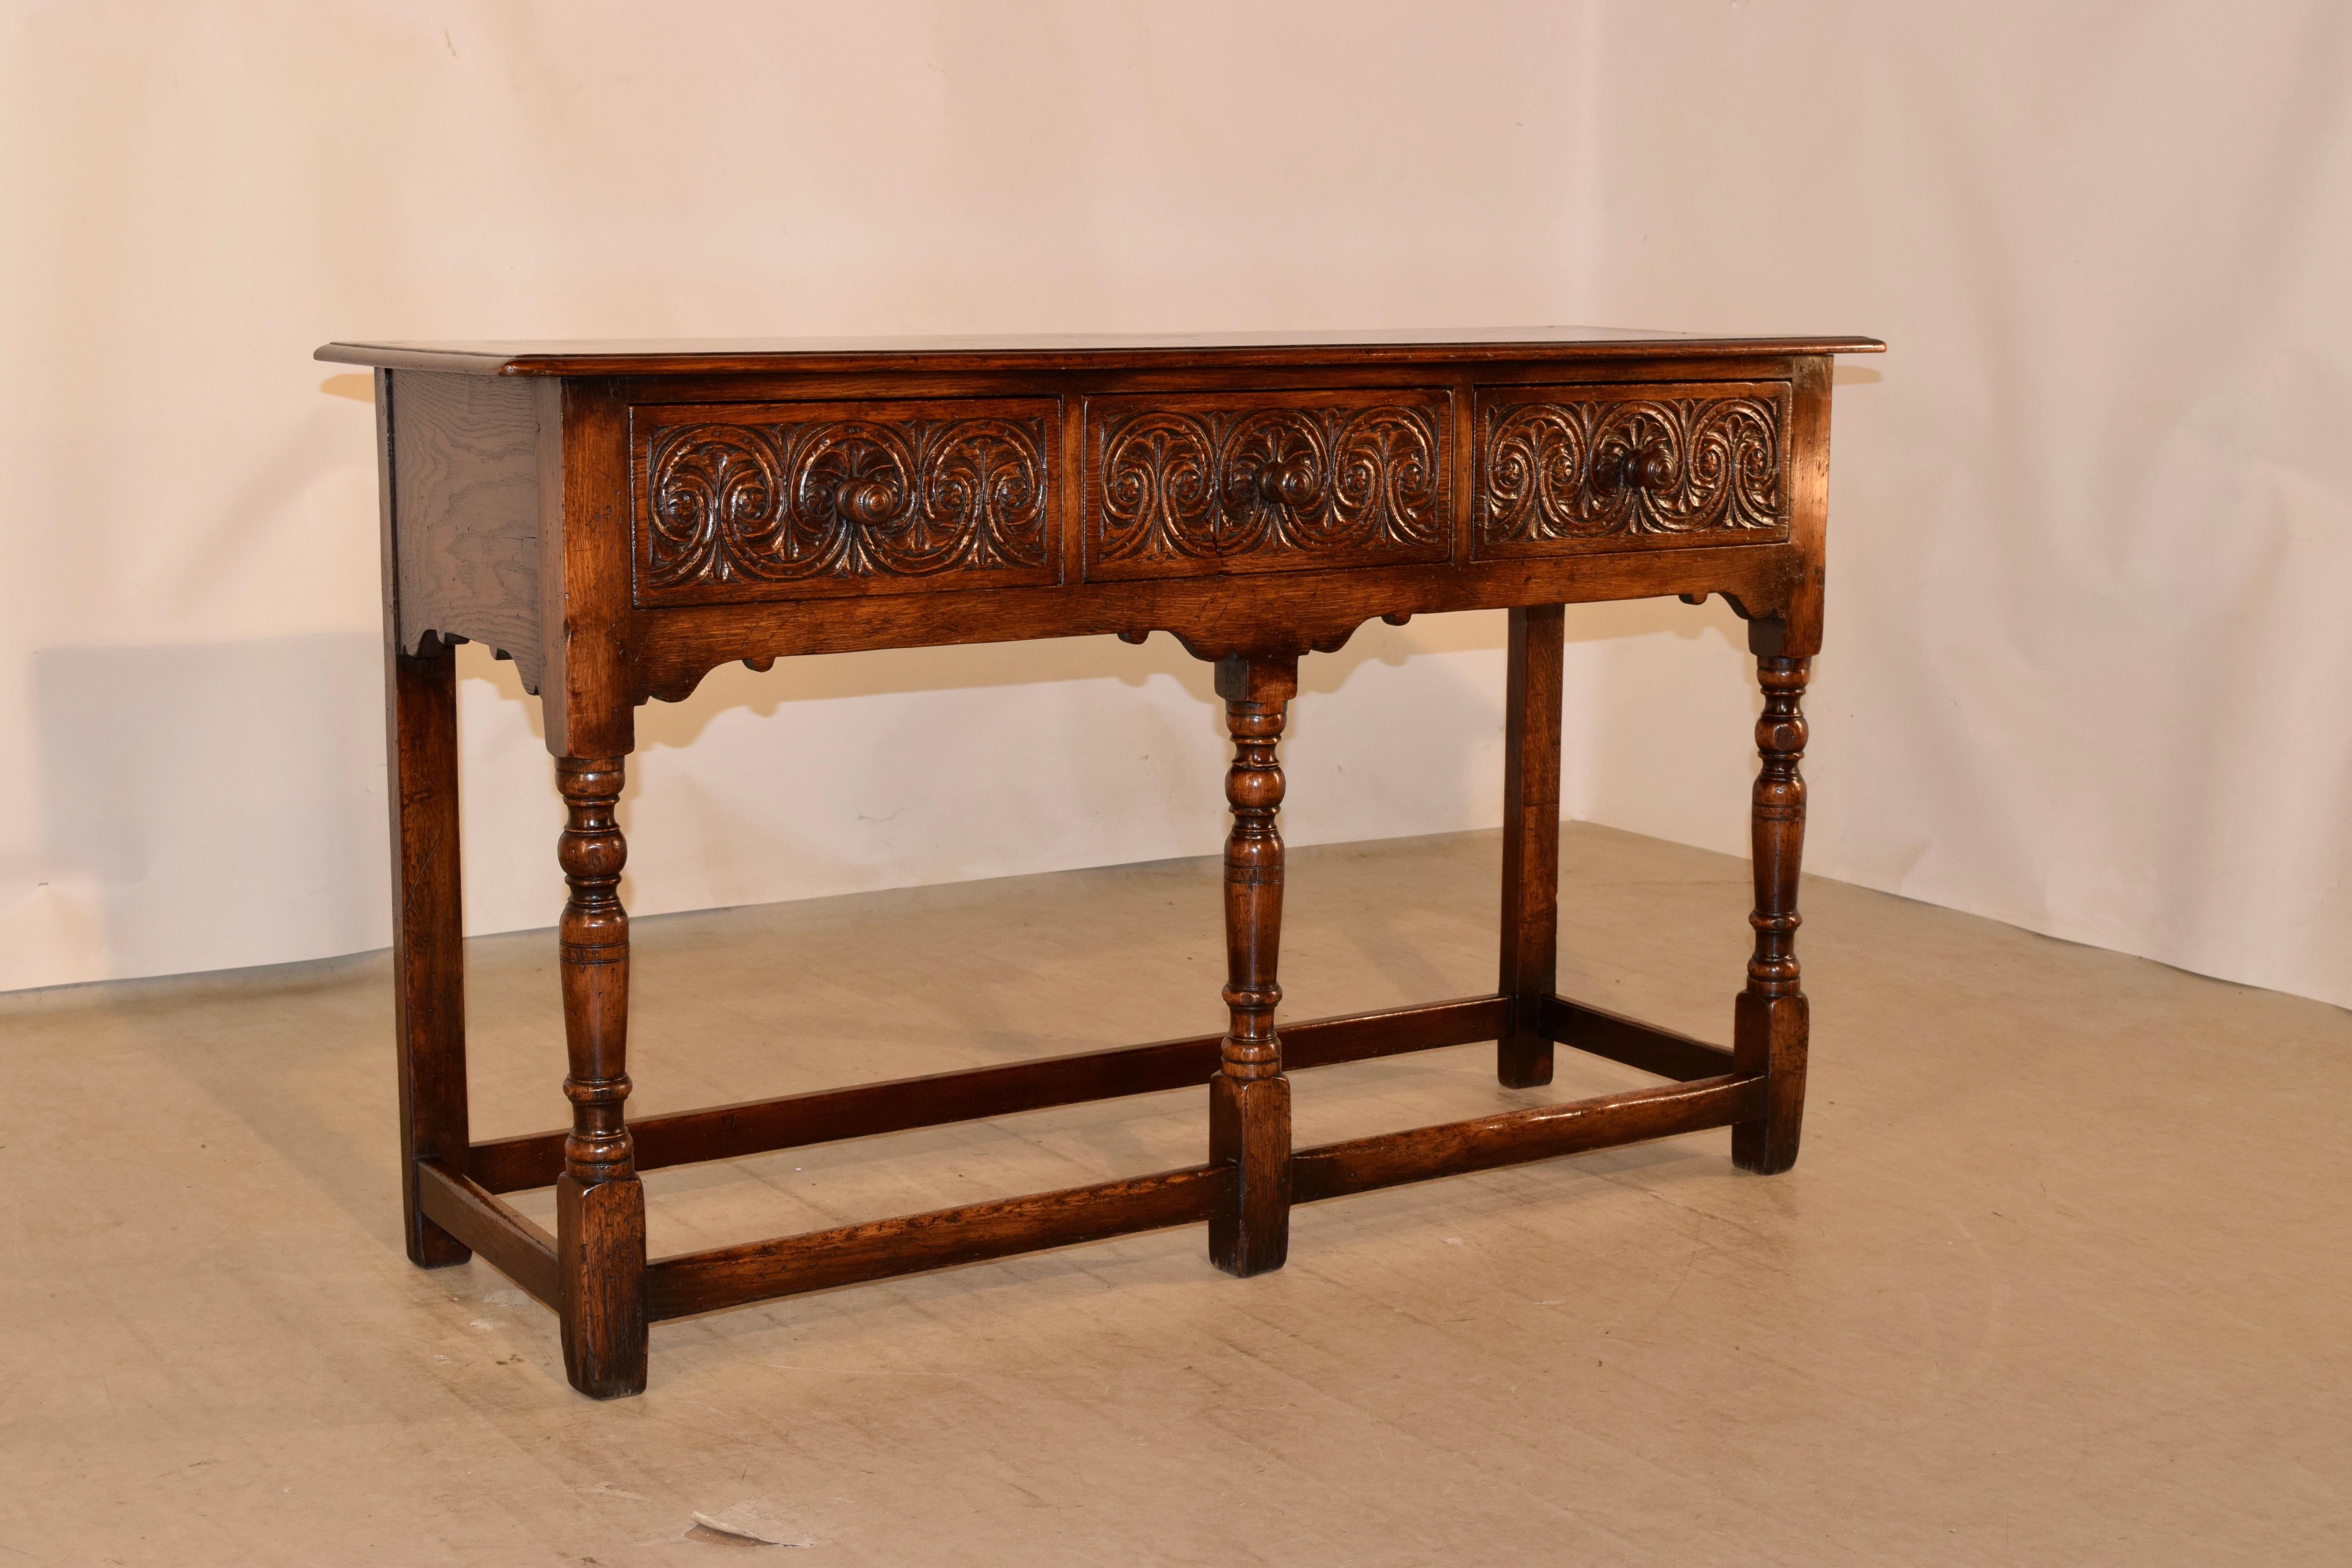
(2086, 671)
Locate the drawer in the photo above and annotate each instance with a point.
(794, 500)
(1566, 468)
(1198, 484)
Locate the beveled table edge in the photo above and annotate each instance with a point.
(732, 356)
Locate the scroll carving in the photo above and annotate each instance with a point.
(842, 499)
(1175, 485)
(1586, 468)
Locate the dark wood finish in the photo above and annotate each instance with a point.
(622, 518)
(1600, 1033)
(1249, 1097)
(1211, 614)
(592, 658)
(588, 395)
(1280, 352)
(1516, 1137)
(972, 1094)
(507, 1241)
(1392, 1031)
(600, 1266)
(600, 1206)
(1791, 624)
(428, 955)
(1530, 945)
(1184, 486)
(467, 473)
(1574, 468)
(731, 1276)
(800, 501)
(1770, 1024)
(728, 1277)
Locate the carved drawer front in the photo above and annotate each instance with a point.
(1568, 467)
(793, 501)
(1194, 484)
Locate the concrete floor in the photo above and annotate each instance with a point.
(2061, 1278)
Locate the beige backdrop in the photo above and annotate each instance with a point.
(2089, 666)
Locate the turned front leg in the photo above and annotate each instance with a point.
(600, 1206)
(1249, 1099)
(1770, 1025)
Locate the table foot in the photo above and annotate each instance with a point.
(1769, 1037)
(600, 1257)
(1249, 1129)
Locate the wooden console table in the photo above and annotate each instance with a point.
(621, 518)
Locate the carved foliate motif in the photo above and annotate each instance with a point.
(1177, 484)
(1583, 467)
(849, 498)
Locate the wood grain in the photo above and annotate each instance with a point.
(1249, 1099)
(1195, 484)
(599, 1204)
(1661, 465)
(1530, 936)
(729, 1276)
(1515, 1137)
(972, 1094)
(600, 1264)
(625, 517)
(428, 953)
(505, 1240)
(690, 357)
(1601, 1033)
(1099, 377)
(795, 500)
(1771, 1021)
(465, 462)
(1212, 616)
(1808, 511)
(593, 661)
(428, 956)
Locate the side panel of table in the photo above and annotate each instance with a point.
(463, 475)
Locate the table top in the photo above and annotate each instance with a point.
(670, 356)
